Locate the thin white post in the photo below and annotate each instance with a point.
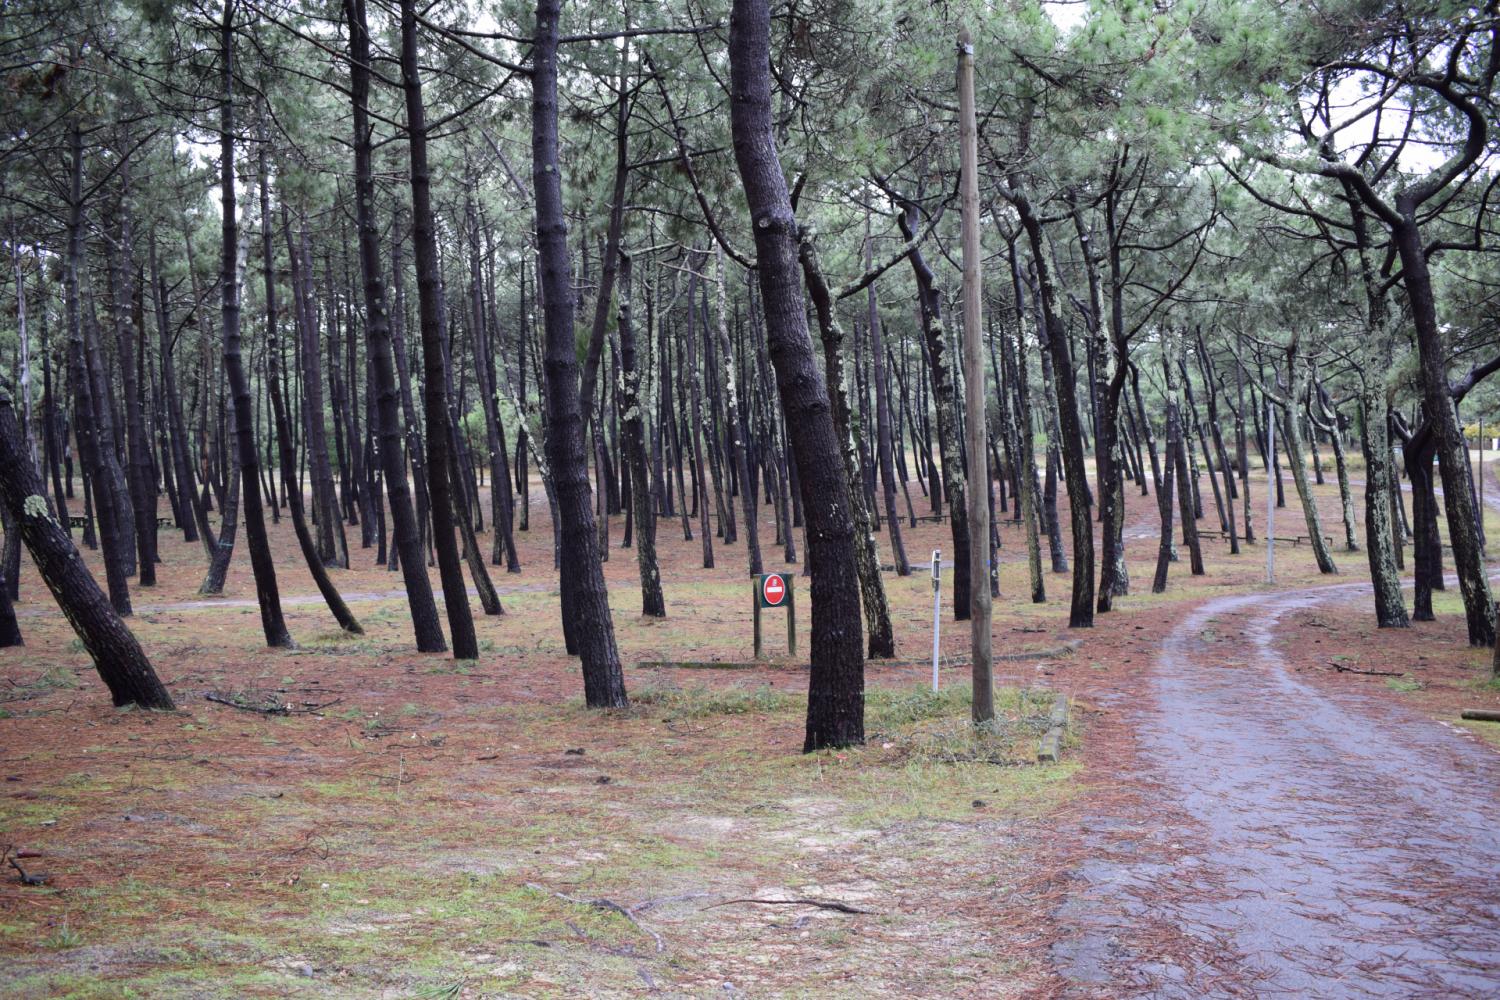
(937, 610)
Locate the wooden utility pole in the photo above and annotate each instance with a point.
(1270, 492)
(978, 480)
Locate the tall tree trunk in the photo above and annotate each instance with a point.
(738, 427)
(883, 421)
(266, 592)
(877, 611)
(314, 431)
(1081, 611)
(633, 428)
(1437, 401)
(582, 575)
(331, 596)
(435, 392)
(695, 375)
(194, 517)
(1177, 453)
(835, 703)
(138, 450)
(86, 428)
(945, 402)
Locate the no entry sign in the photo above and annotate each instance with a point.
(774, 590)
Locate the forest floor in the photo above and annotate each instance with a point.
(421, 827)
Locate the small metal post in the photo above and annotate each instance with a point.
(791, 619)
(755, 602)
(937, 610)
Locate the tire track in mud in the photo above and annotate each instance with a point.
(1286, 841)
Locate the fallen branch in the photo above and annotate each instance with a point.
(609, 906)
(1480, 715)
(27, 878)
(277, 709)
(822, 904)
(1368, 673)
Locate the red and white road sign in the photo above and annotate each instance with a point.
(773, 588)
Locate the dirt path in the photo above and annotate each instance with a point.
(1285, 841)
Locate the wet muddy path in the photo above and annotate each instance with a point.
(1273, 839)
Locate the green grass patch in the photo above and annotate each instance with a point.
(700, 701)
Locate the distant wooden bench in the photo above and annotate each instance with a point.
(165, 522)
(1327, 540)
(78, 521)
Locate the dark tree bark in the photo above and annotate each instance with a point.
(1081, 612)
(695, 375)
(945, 402)
(1028, 502)
(835, 705)
(86, 428)
(288, 458)
(194, 518)
(1164, 486)
(138, 451)
(266, 592)
(439, 433)
(118, 657)
(415, 449)
(331, 548)
(1110, 359)
(883, 424)
(1177, 454)
(407, 537)
(632, 426)
(877, 609)
(582, 575)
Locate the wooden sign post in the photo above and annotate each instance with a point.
(774, 590)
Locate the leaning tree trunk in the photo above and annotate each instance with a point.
(1026, 487)
(582, 575)
(883, 446)
(287, 452)
(1334, 428)
(877, 609)
(266, 592)
(1292, 435)
(1164, 485)
(439, 434)
(1437, 399)
(835, 702)
(118, 657)
(138, 472)
(194, 517)
(1427, 550)
(86, 429)
(1177, 456)
(695, 382)
(739, 431)
(1390, 603)
(945, 402)
(1081, 611)
(634, 431)
(407, 537)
